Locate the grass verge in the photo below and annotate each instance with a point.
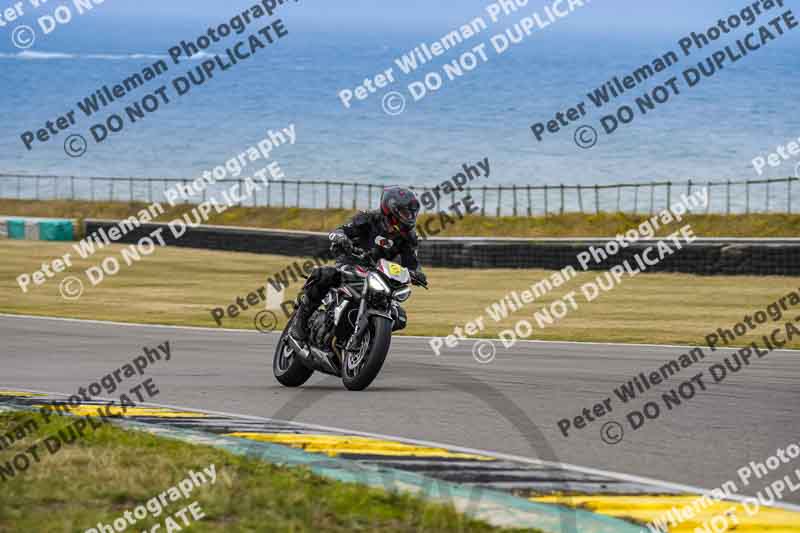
(110, 471)
(181, 286)
(566, 225)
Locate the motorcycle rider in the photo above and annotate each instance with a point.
(392, 225)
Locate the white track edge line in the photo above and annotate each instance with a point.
(133, 324)
(229, 330)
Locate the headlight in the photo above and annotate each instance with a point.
(376, 284)
(401, 295)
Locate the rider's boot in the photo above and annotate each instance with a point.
(300, 325)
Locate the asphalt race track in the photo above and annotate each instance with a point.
(511, 405)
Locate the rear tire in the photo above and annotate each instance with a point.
(287, 367)
(380, 331)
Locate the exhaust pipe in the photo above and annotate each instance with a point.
(304, 353)
(314, 357)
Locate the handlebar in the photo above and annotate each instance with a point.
(418, 284)
(361, 255)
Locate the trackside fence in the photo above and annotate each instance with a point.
(725, 196)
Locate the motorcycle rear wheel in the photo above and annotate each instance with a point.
(287, 367)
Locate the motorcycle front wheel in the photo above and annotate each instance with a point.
(361, 367)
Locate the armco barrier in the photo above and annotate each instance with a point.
(705, 257)
(779, 257)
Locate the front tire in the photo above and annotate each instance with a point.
(287, 367)
(359, 370)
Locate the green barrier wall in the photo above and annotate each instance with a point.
(16, 229)
(55, 230)
(37, 229)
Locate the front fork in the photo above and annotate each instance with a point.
(362, 322)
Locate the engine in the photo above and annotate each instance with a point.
(320, 327)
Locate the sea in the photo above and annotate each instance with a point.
(712, 131)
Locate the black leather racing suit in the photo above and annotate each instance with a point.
(362, 230)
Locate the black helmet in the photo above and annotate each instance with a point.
(400, 208)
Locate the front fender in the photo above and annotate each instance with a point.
(361, 327)
(373, 312)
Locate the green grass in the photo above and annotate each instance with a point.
(180, 286)
(111, 471)
(567, 225)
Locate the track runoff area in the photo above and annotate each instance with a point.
(501, 489)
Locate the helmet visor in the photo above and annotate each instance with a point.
(407, 215)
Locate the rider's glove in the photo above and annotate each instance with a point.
(340, 242)
(419, 276)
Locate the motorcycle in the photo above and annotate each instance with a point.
(350, 333)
